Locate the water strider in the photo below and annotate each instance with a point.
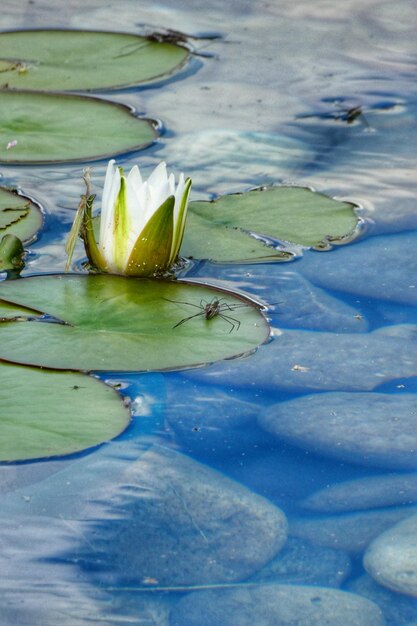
(215, 308)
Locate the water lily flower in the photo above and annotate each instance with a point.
(141, 223)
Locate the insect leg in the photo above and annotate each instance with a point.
(181, 302)
(186, 319)
(234, 323)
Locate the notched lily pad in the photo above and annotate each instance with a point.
(19, 215)
(116, 323)
(50, 128)
(8, 310)
(65, 60)
(47, 413)
(250, 226)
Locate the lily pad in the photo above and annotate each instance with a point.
(47, 413)
(250, 226)
(116, 323)
(9, 310)
(19, 215)
(49, 128)
(65, 60)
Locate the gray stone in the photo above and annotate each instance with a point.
(179, 522)
(364, 493)
(367, 428)
(301, 562)
(378, 267)
(392, 558)
(211, 420)
(19, 475)
(351, 532)
(294, 302)
(163, 517)
(299, 360)
(275, 605)
(398, 609)
(281, 473)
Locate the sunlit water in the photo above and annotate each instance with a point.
(181, 521)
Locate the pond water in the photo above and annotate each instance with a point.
(279, 488)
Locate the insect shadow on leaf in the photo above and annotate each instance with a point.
(217, 307)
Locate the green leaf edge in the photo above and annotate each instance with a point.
(98, 90)
(153, 124)
(282, 255)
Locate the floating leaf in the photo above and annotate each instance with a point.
(19, 215)
(53, 127)
(47, 413)
(240, 227)
(9, 310)
(83, 60)
(117, 323)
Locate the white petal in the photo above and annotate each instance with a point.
(106, 205)
(171, 182)
(110, 192)
(136, 202)
(159, 176)
(135, 179)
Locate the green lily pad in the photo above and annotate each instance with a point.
(9, 310)
(66, 60)
(248, 226)
(19, 215)
(49, 128)
(47, 413)
(116, 323)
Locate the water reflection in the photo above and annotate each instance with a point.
(238, 477)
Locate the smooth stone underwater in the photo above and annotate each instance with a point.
(300, 562)
(293, 301)
(373, 429)
(398, 609)
(275, 605)
(364, 493)
(165, 517)
(392, 558)
(378, 267)
(208, 420)
(351, 532)
(302, 361)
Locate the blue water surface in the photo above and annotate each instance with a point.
(278, 488)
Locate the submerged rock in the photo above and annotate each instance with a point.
(275, 605)
(302, 361)
(163, 518)
(211, 420)
(378, 267)
(301, 562)
(293, 301)
(398, 609)
(364, 493)
(177, 522)
(392, 558)
(373, 429)
(351, 532)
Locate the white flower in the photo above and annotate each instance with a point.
(141, 224)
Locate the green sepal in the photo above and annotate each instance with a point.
(122, 223)
(152, 250)
(87, 233)
(11, 254)
(180, 225)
